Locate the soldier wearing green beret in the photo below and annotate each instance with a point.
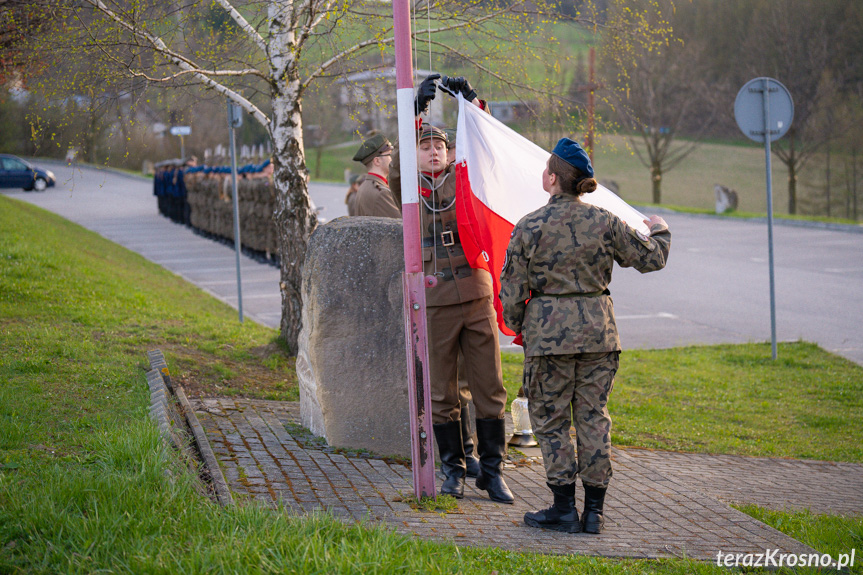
(554, 291)
(460, 314)
(373, 197)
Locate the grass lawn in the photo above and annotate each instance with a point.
(86, 485)
(734, 399)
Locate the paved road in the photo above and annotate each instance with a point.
(714, 289)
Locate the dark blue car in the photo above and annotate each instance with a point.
(18, 173)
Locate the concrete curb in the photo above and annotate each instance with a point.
(164, 398)
(223, 492)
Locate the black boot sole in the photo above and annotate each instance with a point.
(574, 527)
(482, 483)
(592, 530)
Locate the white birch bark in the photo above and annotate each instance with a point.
(291, 24)
(294, 218)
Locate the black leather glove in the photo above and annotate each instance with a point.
(459, 85)
(425, 94)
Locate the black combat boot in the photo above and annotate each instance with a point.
(470, 461)
(592, 520)
(451, 450)
(490, 434)
(561, 516)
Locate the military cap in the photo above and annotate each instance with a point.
(373, 147)
(353, 179)
(429, 131)
(574, 155)
(450, 134)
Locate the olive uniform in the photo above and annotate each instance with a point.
(351, 197)
(373, 198)
(459, 309)
(555, 293)
(460, 316)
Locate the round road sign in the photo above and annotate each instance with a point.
(749, 109)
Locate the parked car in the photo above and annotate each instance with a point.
(18, 173)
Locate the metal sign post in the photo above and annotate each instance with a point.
(416, 339)
(235, 120)
(764, 111)
(181, 131)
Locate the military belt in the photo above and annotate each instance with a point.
(447, 274)
(573, 294)
(446, 239)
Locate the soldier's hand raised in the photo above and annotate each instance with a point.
(459, 85)
(656, 220)
(425, 94)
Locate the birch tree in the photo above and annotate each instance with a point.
(265, 54)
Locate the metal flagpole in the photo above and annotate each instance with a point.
(419, 395)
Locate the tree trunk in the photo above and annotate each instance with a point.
(294, 219)
(827, 177)
(792, 188)
(656, 179)
(854, 185)
(791, 164)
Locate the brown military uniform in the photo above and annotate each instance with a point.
(560, 258)
(351, 198)
(373, 198)
(459, 309)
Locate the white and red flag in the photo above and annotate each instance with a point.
(499, 181)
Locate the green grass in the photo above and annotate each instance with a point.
(86, 484)
(734, 399)
(834, 535)
(752, 215)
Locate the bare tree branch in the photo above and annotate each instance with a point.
(182, 62)
(244, 25)
(386, 41)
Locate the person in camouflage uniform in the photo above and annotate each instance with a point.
(554, 291)
(460, 315)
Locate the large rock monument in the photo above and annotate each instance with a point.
(351, 360)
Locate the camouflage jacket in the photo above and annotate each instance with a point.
(560, 258)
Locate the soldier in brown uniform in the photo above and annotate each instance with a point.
(373, 196)
(460, 316)
(554, 291)
(351, 197)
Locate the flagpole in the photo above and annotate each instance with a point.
(416, 340)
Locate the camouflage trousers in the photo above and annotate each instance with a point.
(563, 390)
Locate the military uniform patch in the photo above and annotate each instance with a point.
(642, 238)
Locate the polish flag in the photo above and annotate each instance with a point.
(498, 182)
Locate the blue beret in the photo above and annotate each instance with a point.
(574, 155)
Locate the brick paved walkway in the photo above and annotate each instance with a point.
(653, 510)
(820, 486)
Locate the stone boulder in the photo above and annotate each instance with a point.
(351, 358)
(726, 199)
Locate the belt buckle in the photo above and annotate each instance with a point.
(447, 241)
